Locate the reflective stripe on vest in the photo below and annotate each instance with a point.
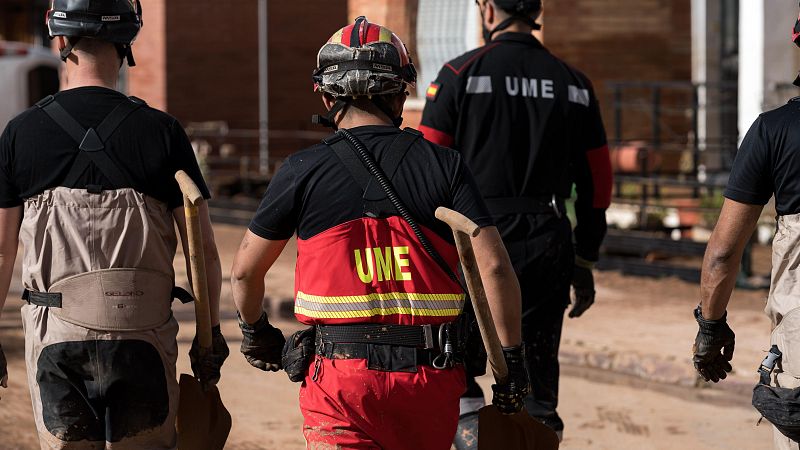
(374, 270)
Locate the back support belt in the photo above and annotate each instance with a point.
(111, 299)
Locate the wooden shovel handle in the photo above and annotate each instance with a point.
(192, 199)
(463, 230)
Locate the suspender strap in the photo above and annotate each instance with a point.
(401, 145)
(389, 163)
(91, 142)
(62, 118)
(110, 124)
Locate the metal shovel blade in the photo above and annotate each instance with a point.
(203, 421)
(517, 431)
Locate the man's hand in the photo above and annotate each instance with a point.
(3, 369)
(583, 283)
(262, 344)
(206, 365)
(713, 347)
(509, 398)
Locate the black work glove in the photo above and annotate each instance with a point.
(3, 369)
(583, 283)
(713, 347)
(262, 344)
(509, 397)
(206, 363)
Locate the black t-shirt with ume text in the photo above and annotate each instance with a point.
(36, 154)
(313, 191)
(768, 161)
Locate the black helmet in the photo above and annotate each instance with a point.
(520, 7)
(526, 11)
(115, 21)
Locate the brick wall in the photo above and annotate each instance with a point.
(148, 79)
(297, 30)
(201, 64)
(639, 40)
(212, 61)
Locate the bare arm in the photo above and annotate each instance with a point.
(252, 261)
(10, 219)
(501, 285)
(724, 254)
(210, 254)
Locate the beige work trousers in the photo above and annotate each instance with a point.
(44, 331)
(783, 309)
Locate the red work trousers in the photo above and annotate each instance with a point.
(351, 407)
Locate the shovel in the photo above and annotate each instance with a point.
(517, 431)
(203, 421)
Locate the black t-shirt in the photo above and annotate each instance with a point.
(768, 161)
(528, 125)
(313, 191)
(148, 147)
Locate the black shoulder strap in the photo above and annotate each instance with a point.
(110, 124)
(350, 160)
(62, 118)
(389, 163)
(397, 151)
(91, 143)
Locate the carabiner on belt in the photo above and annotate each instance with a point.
(445, 359)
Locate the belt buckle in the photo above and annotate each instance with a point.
(427, 331)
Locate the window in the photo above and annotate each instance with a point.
(445, 29)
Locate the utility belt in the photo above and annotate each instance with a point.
(539, 204)
(387, 348)
(779, 402)
(112, 299)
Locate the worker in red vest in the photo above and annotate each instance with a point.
(375, 271)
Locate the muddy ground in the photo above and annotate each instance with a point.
(627, 381)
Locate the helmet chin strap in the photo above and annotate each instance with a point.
(329, 119)
(71, 43)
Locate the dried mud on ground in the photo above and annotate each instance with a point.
(606, 399)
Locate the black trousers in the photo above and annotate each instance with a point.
(541, 250)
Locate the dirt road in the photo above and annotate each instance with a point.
(604, 408)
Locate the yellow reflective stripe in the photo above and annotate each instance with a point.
(380, 297)
(386, 35)
(376, 312)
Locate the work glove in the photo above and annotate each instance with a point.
(3, 369)
(262, 344)
(206, 364)
(509, 397)
(713, 347)
(583, 284)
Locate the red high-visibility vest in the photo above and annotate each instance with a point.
(374, 271)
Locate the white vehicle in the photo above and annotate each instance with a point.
(28, 73)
